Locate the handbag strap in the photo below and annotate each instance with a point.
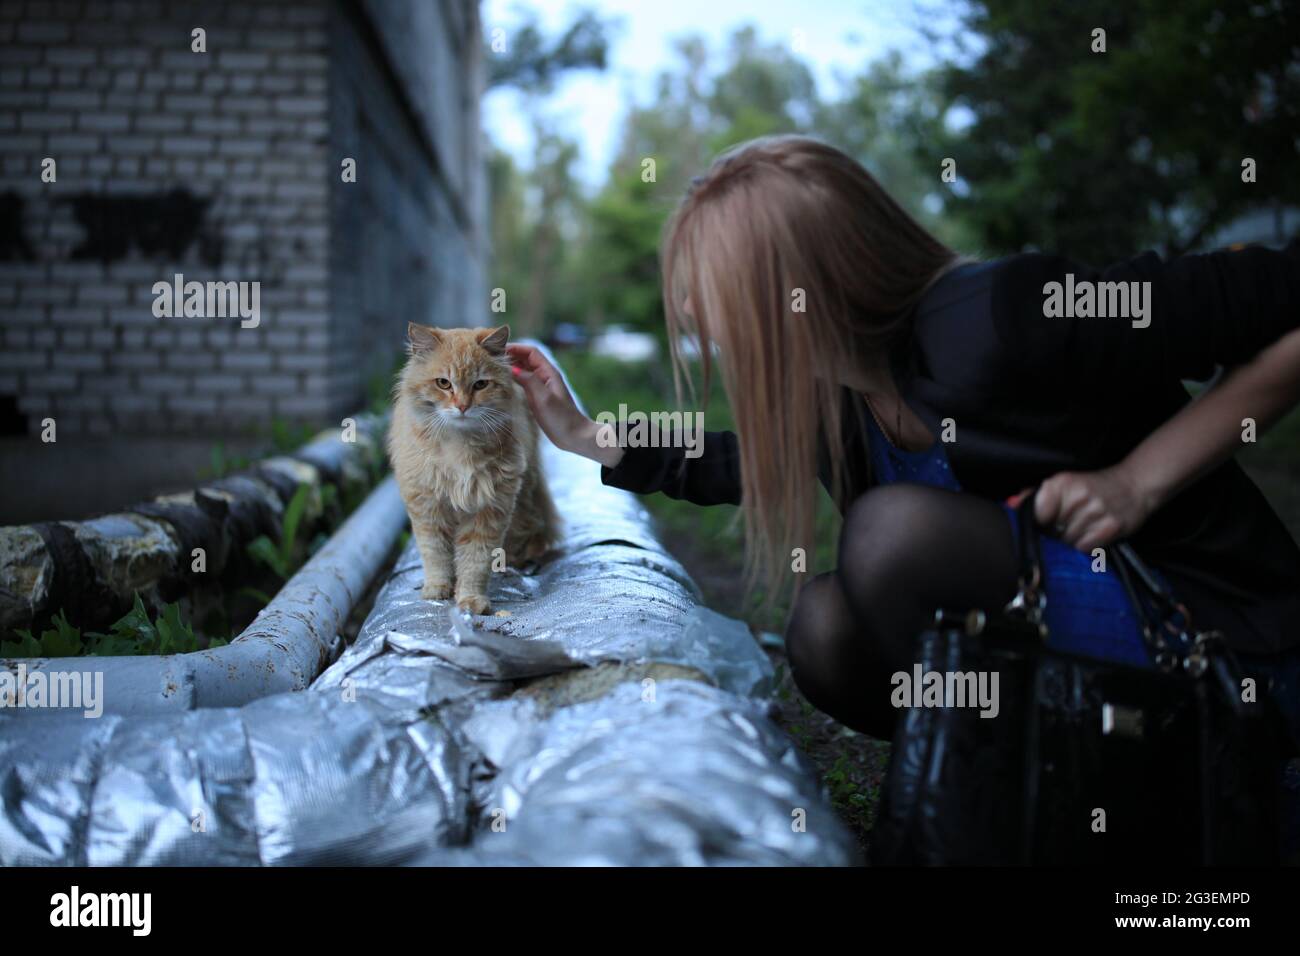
(1165, 622)
(1170, 635)
(1030, 601)
(1129, 567)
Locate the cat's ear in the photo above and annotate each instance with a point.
(494, 340)
(422, 338)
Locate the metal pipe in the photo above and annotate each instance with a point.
(287, 645)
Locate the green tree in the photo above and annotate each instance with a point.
(537, 211)
(763, 90)
(760, 89)
(887, 120)
(530, 60)
(1101, 154)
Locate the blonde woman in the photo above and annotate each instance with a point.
(925, 390)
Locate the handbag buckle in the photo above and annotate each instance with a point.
(1030, 602)
(1197, 660)
(1121, 721)
(971, 623)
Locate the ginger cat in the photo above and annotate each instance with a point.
(463, 445)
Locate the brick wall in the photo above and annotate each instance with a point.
(408, 242)
(224, 166)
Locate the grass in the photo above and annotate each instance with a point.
(286, 555)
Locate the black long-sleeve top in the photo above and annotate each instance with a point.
(1033, 394)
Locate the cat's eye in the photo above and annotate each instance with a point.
(481, 384)
(442, 383)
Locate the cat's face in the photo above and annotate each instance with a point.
(459, 378)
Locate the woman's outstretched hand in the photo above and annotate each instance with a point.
(1091, 509)
(554, 408)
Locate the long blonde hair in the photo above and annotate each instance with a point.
(794, 261)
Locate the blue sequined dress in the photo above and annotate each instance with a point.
(1088, 612)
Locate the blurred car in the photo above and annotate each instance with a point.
(624, 345)
(567, 335)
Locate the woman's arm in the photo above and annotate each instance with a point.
(712, 478)
(1237, 309)
(554, 408)
(1095, 508)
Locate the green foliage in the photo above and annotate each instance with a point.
(286, 437)
(889, 120)
(760, 90)
(626, 219)
(1062, 139)
(256, 594)
(532, 61)
(538, 215)
(1281, 443)
(280, 437)
(565, 258)
(1051, 140)
(844, 789)
(283, 557)
(61, 640)
(224, 463)
(135, 633)
(379, 386)
(329, 497)
(25, 646)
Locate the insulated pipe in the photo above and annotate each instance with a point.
(291, 640)
(417, 740)
(91, 569)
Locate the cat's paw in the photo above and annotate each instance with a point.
(436, 590)
(474, 603)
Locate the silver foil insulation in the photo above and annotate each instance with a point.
(608, 719)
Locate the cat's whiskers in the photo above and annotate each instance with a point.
(494, 415)
(431, 427)
(497, 422)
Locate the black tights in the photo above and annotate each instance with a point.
(905, 550)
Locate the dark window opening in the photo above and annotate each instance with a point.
(12, 421)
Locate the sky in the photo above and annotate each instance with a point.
(838, 38)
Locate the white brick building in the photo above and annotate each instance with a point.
(225, 166)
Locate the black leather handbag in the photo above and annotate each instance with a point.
(1086, 762)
